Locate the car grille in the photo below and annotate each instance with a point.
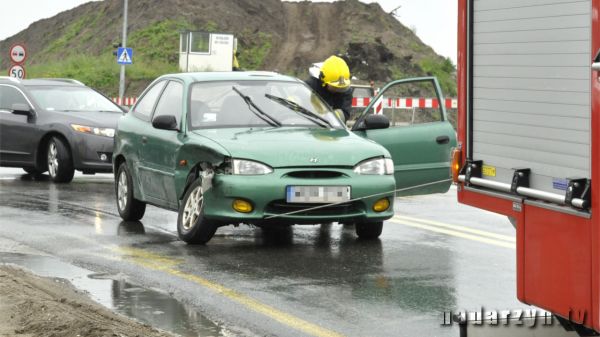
(315, 174)
(282, 207)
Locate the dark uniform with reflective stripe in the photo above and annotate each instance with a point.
(337, 100)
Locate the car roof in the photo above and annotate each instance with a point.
(230, 76)
(63, 82)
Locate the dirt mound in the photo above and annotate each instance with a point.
(273, 35)
(41, 307)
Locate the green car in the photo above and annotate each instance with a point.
(261, 148)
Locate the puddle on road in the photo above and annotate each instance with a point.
(145, 305)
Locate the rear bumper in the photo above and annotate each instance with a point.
(267, 195)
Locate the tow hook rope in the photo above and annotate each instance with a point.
(356, 199)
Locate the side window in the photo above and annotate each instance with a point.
(409, 103)
(405, 104)
(146, 104)
(200, 43)
(171, 101)
(10, 96)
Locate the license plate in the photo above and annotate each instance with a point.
(317, 194)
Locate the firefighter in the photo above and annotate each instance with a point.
(332, 82)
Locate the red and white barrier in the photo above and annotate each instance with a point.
(405, 103)
(127, 101)
(363, 102)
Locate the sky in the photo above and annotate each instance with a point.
(434, 21)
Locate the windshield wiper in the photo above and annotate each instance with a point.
(257, 111)
(313, 117)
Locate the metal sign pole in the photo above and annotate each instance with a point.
(122, 75)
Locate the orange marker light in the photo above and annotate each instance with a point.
(182, 162)
(455, 163)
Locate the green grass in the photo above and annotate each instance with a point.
(60, 44)
(397, 72)
(101, 73)
(156, 52)
(444, 71)
(158, 42)
(252, 54)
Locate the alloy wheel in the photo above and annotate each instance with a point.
(192, 208)
(122, 191)
(52, 159)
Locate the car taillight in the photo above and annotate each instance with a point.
(455, 163)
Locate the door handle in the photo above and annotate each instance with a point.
(442, 140)
(144, 140)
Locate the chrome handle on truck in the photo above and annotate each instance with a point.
(596, 66)
(577, 194)
(525, 191)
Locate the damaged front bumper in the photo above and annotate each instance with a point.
(267, 194)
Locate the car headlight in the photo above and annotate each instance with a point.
(249, 167)
(378, 166)
(106, 132)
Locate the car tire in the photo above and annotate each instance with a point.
(130, 209)
(369, 230)
(192, 226)
(60, 163)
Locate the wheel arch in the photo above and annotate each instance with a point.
(198, 158)
(117, 161)
(40, 152)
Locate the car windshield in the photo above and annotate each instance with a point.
(71, 98)
(219, 105)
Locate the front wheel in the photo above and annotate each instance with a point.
(60, 162)
(130, 209)
(192, 226)
(369, 230)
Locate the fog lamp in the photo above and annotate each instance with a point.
(242, 206)
(381, 205)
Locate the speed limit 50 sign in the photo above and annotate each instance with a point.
(16, 71)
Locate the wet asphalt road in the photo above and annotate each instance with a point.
(435, 256)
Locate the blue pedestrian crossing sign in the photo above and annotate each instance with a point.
(124, 55)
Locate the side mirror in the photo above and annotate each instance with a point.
(165, 122)
(373, 122)
(22, 109)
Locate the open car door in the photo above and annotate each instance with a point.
(419, 137)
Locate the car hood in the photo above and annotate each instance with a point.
(293, 147)
(101, 119)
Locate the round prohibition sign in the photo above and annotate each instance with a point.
(16, 71)
(18, 53)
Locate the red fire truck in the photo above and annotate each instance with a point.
(529, 142)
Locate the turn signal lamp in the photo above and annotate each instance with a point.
(242, 206)
(455, 162)
(381, 205)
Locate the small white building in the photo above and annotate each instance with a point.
(202, 51)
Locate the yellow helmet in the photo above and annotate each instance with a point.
(335, 74)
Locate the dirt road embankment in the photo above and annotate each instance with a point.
(44, 307)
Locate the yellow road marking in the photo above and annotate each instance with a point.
(456, 234)
(165, 264)
(458, 228)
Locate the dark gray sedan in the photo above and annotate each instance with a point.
(56, 125)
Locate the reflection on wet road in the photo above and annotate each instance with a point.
(435, 256)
